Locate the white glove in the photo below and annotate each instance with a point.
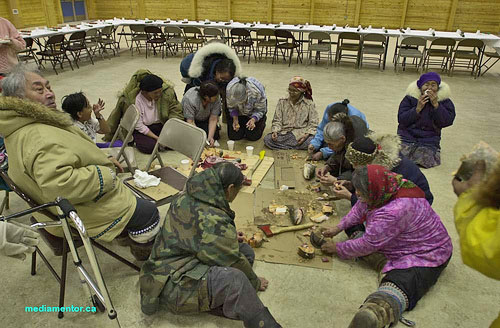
(17, 240)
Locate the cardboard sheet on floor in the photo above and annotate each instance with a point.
(281, 248)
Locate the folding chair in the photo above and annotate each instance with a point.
(124, 132)
(212, 34)
(184, 138)
(76, 44)
(491, 55)
(411, 48)
(374, 45)
(441, 48)
(285, 41)
(353, 44)
(29, 53)
(175, 39)
(320, 42)
(92, 42)
(55, 52)
(107, 40)
(265, 39)
(468, 52)
(97, 292)
(138, 38)
(155, 39)
(193, 36)
(241, 39)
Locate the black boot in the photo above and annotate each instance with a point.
(375, 261)
(378, 311)
(263, 319)
(141, 251)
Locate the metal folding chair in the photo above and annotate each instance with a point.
(410, 48)
(184, 138)
(348, 41)
(320, 42)
(373, 47)
(441, 48)
(124, 132)
(492, 55)
(95, 287)
(467, 54)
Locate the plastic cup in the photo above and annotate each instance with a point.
(249, 150)
(230, 144)
(185, 164)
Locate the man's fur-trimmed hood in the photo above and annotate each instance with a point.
(16, 113)
(196, 68)
(443, 93)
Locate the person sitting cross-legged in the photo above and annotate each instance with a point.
(295, 119)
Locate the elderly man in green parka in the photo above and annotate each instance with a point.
(50, 157)
(197, 264)
(168, 105)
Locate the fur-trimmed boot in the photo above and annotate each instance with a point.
(141, 251)
(264, 319)
(379, 310)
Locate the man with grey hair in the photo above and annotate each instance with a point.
(338, 134)
(50, 157)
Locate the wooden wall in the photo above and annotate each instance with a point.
(32, 12)
(468, 15)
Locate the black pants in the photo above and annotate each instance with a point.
(415, 282)
(145, 215)
(204, 125)
(243, 132)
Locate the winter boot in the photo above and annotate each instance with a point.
(378, 311)
(141, 251)
(263, 319)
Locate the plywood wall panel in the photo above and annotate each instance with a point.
(212, 9)
(32, 13)
(5, 10)
(291, 11)
(160, 9)
(473, 15)
(423, 15)
(334, 12)
(381, 13)
(249, 11)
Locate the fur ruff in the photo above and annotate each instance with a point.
(389, 147)
(196, 68)
(488, 193)
(443, 93)
(36, 111)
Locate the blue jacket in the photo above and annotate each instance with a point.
(410, 171)
(319, 142)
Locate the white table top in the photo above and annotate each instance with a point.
(489, 39)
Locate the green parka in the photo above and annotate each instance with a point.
(198, 233)
(168, 105)
(50, 157)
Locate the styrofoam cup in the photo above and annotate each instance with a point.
(230, 144)
(249, 150)
(185, 164)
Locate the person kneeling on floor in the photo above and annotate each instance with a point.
(50, 157)
(197, 263)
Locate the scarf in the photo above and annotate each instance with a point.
(302, 85)
(384, 186)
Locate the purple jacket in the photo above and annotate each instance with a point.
(425, 127)
(406, 230)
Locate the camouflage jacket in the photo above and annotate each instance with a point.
(198, 233)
